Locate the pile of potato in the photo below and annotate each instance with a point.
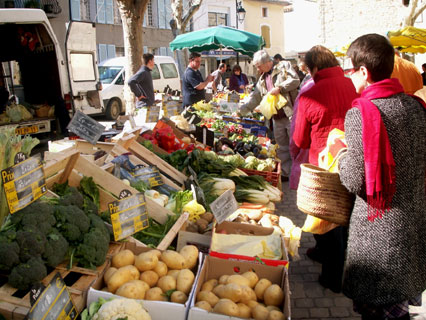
(243, 296)
(153, 275)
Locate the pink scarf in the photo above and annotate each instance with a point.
(379, 162)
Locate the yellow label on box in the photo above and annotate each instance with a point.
(24, 183)
(128, 216)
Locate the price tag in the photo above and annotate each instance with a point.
(24, 183)
(234, 97)
(224, 206)
(150, 175)
(153, 114)
(171, 108)
(205, 136)
(86, 127)
(54, 303)
(128, 216)
(19, 157)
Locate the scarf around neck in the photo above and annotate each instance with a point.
(379, 161)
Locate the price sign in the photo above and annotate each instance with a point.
(54, 303)
(234, 97)
(24, 183)
(86, 127)
(128, 216)
(153, 114)
(171, 108)
(224, 206)
(150, 175)
(205, 136)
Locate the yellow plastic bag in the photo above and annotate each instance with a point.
(270, 104)
(325, 161)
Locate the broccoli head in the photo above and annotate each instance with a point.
(90, 207)
(56, 249)
(32, 243)
(72, 222)
(24, 275)
(39, 214)
(98, 223)
(9, 255)
(92, 252)
(72, 197)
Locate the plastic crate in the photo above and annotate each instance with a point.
(273, 177)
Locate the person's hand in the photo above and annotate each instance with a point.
(141, 97)
(336, 146)
(275, 91)
(210, 78)
(242, 86)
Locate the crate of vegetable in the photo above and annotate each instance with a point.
(273, 177)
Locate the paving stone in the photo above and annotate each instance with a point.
(300, 313)
(343, 302)
(316, 268)
(310, 277)
(298, 291)
(319, 312)
(339, 312)
(304, 303)
(314, 292)
(323, 302)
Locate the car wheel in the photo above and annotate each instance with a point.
(113, 109)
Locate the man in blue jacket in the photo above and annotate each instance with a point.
(141, 83)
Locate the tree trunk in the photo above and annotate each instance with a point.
(132, 14)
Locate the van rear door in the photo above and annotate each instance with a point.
(80, 46)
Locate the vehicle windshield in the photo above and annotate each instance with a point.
(108, 74)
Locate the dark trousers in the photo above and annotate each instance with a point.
(332, 248)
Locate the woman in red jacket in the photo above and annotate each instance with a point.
(321, 109)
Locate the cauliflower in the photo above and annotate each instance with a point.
(122, 309)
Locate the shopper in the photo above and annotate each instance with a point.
(238, 81)
(275, 79)
(192, 83)
(407, 74)
(141, 83)
(218, 77)
(385, 167)
(321, 109)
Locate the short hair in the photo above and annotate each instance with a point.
(424, 65)
(222, 65)
(278, 57)
(235, 68)
(194, 55)
(147, 57)
(261, 57)
(321, 58)
(374, 52)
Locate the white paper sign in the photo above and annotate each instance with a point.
(224, 206)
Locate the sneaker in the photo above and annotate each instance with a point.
(313, 254)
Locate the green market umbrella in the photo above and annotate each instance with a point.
(217, 38)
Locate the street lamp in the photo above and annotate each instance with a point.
(241, 15)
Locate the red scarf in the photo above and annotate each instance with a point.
(379, 162)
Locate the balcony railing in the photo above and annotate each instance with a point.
(51, 7)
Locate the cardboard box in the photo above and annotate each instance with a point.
(214, 267)
(232, 228)
(201, 241)
(158, 310)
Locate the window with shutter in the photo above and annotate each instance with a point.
(100, 10)
(109, 11)
(110, 51)
(75, 10)
(102, 52)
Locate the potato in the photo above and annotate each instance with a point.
(121, 276)
(146, 261)
(204, 305)
(259, 312)
(209, 285)
(275, 315)
(218, 290)
(232, 291)
(223, 279)
(208, 216)
(178, 297)
(270, 308)
(227, 307)
(273, 295)
(244, 311)
(173, 259)
(252, 278)
(260, 287)
(155, 294)
(133, 289)
(208, 296)
(236, 278)
(190, 254)
(156, 252)
(161, 269)
(251, 304)
(123, 258)
(184, 281)
(166, 283)
(173, 273)
(248, 294)
(150, 277)
(109, 273)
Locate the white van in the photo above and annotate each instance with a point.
(112, 76)
(34, 69)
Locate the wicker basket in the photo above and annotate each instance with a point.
(322, 195)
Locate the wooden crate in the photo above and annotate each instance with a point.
(129, 143)
(15, 304)
(74, 167)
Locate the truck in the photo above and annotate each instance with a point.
(39, 76)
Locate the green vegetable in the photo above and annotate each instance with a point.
(94, 307)
(177, 159)
(26, 274)
(154, 234)
(89, 188)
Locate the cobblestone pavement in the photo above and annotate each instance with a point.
(309, 300)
